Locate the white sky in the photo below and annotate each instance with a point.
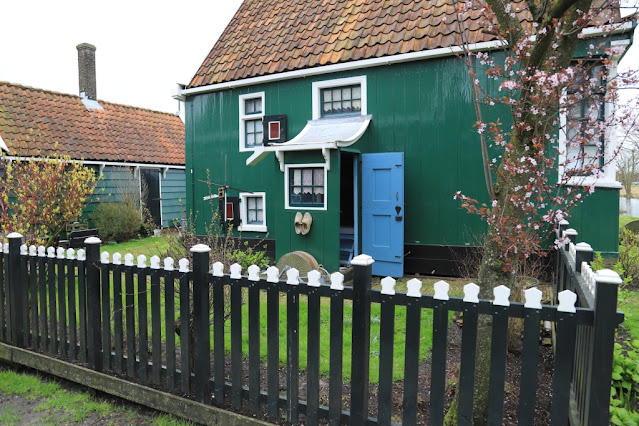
(143, 47)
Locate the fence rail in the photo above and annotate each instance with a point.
(90, 308)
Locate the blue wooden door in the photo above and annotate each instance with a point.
(383, 211)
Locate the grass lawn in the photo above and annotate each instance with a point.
(629, 304)
(149, 246)
(38, 401)
(623, 220)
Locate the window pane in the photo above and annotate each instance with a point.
(346, 93)
(327, 95)
(347, 106)
(328, 107)
(258, 126)
(297, 177)
(249, 107)
(337, 95)
(574, 111)
(250, 139)
(258, 203)
(250, 126)
(357, 105)
(252, 216)
(251, 202)
(260, 216)
(258, 105)
(307, 177)
(357, 92)
(318, 178)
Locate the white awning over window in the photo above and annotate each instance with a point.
(322, 134)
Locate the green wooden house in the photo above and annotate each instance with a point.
(347, 127)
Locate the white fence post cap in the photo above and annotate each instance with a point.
(362, 260)
(583, 247)
(14, 235)
(200, 248)
(571, 231)
(93, 240)
(607, 276)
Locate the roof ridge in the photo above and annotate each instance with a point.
(79, 98)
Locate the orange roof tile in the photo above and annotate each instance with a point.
(36, 122)
(269, 37)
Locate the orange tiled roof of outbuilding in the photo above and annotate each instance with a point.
(36, 122)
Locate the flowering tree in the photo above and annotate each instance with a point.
(39, 197)
(544, 153)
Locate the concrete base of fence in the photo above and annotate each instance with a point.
(162, 401)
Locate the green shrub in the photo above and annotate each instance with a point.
(249, 256)
(625, 385)
(119, 221)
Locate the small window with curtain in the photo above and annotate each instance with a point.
(306, 187)
(343, 100)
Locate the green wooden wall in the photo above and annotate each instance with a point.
(423, 109)
(173, 194)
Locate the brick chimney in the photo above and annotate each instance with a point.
(86, 70)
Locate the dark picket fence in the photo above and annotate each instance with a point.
(592, 365)
(122, 318)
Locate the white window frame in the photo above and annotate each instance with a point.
(287, 168)
(244, 117)
(244, 225)
(610, 144)
(338, 82)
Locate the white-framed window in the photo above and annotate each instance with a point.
(305, 186)
(253, 211)
(342, 96)
(251, 114)
(580, 142)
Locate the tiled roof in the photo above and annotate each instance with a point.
(35, 122)
(268, 36)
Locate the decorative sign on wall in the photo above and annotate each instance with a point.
(275, 126)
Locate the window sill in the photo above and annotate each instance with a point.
(252, 228)
(588, 181)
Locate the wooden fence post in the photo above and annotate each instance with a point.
(16, 303)
(571, 234)
(584, 254)
(362, 274)
(94, 322)
(604, 327)
(201, 322)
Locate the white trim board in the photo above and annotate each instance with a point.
(105, 163)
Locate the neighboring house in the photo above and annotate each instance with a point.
(120, 142)
(359, 114)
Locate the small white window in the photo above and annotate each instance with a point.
(305, 186)
(253, 212)
(342, 96)
(251, 114)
